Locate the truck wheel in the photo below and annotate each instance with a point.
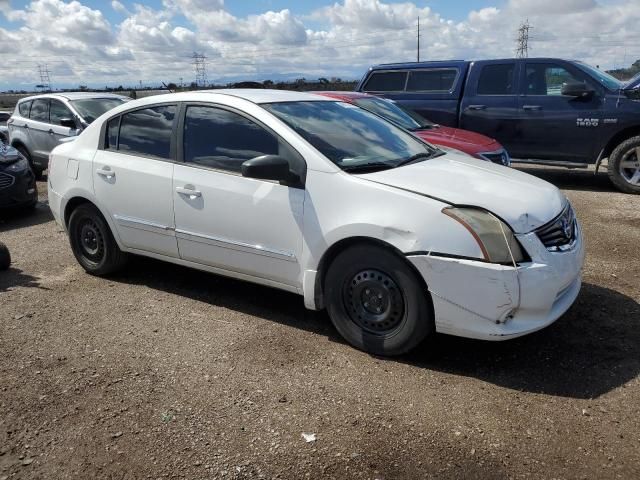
(376, 301)
(624, 166)
(92, 242)
(5, 257)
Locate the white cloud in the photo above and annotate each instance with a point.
(82, 47)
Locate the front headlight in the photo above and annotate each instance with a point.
(495, 239)
(20, 166)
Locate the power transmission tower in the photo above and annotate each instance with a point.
(45, 81)
(418, 39)
(200, 68)
(522, 49)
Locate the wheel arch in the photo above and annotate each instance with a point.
(618, 138)
(79, 199)
(339, 246)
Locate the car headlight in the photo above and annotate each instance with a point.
(19, 166)
(495, 239)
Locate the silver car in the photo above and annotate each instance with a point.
(40, 122)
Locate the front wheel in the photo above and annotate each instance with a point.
(92, 242)
(624, 166)
(376, 301)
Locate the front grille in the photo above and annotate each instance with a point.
(559, 233)
(501, 157)
(6, 180)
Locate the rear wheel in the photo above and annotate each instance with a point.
(624, 166)
(92, 242)
(37, 171)
(5, 257)
(376, 301)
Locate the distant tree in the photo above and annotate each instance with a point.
(133, 94)
(172, 86)
(82, 87)
(268, 83)
(323, 80)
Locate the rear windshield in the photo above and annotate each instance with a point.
(91, 108)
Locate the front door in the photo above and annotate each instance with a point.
(132, 178)
(490, 106)
(555, 126)
(58, 111)
(225, 220)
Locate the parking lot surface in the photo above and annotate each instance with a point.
(166, 372)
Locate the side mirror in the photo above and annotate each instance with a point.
(267, 167)
(68, 122)
(576, 89)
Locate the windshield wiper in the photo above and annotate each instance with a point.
(366, 166)
(418, 157)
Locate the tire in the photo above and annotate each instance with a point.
(92, 242)
(624, 166)
(37, 171)
(377, 302)
(5, 257)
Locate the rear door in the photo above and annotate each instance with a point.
(490, 103)
(132, 175)
(554, 126)
(38, 127)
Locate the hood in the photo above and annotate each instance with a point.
(468, 142)
(522, 200)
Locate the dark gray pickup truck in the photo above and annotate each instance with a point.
(543, 110)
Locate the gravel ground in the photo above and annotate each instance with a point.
(165, 372)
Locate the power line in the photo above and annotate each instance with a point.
(522, 50)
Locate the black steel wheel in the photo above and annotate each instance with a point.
(92, 242)
(376, 300)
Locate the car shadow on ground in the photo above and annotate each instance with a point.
(591, 350)
(22, 218)
(571, 179)
(14, 277)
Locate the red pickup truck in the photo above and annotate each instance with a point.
(471, 143)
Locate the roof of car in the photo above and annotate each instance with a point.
(259, 95)
(74, 95)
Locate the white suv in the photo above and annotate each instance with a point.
(40, 122)
(321, 198)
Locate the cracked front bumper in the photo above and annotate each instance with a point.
(497, 302)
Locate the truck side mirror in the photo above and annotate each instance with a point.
(576, 89)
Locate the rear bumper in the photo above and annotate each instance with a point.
(496, 302)
(22, 192)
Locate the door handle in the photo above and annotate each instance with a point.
(530, 108)
(106, 172)
(477, 107)
(190, 191)
(26, 126)
(50, 131)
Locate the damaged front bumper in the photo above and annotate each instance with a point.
(487, 301)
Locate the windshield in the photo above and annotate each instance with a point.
(349, 136)
(390, 111)
(91, 108)
(604, 78)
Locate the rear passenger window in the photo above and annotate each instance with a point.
(40, 110)
(223, 140)
(112, 133)
(386, 82)
(24, 108)
(497, 79)
(437, 80)
(148, 131)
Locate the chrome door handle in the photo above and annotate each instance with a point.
(531, 107)
(50, 132)
(477, 107)
(191, 192)
(106, 172)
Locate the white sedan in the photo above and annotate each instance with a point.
(395, 238)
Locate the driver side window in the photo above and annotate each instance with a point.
(223, 140)
(546, 79)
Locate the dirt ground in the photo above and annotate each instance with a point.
(164, 372)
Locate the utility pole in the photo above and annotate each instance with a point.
(200, 68)
(522, 42)
(418, 39)
(45, 81)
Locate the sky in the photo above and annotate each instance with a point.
(123, 42)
